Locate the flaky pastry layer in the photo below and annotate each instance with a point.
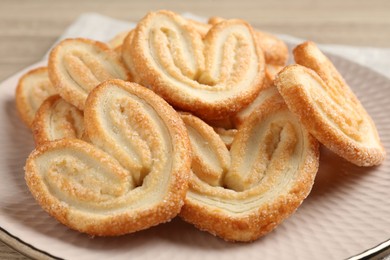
(244, 193)
(57, 119)
(132, 176)
(316, 92)
(212, 76)
(78, 65)
(33, 88)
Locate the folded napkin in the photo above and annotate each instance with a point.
(103, 28)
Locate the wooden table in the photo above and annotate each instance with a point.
(29, 28)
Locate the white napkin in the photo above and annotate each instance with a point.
(103, 28)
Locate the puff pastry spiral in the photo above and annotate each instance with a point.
(76, 66)
(57, 119)
(317, 93)
(134, 174)
(246, 192)
(33, 88)
(212, 76)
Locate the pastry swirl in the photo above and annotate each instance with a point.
(212, 76)
(316, 92)
(76, 66)
(33, 88)
(275, 50)
(57, 119)
(133, 176)
(246, 192)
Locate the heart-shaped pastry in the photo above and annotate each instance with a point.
(76, 66)
(317, 93)
(213, 76)
(133, 176)
(33, 88)
(246, 192)
(57, 119)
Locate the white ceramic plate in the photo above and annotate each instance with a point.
(347, 212)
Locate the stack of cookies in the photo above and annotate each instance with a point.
(177, 117)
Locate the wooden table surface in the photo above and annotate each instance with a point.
(29, 28)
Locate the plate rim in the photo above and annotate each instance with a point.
(24, 247)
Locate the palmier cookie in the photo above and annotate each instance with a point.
(244, 193)
(275, 50)
(57, 119)
(76, 66)
(327, 107)
(133, 176)
(211, 77)
(33, 88)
